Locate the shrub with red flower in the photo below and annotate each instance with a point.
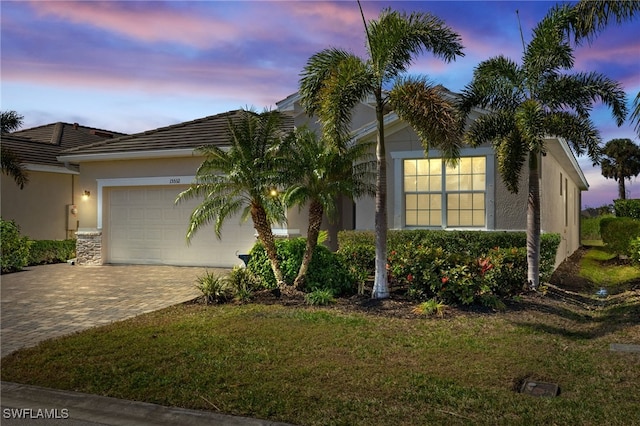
(485, 265)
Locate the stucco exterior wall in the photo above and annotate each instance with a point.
(40, 209)
(560, 206)
(511, 209)
(92, 172)
(559, 210)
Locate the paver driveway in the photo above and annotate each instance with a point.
(48, 301)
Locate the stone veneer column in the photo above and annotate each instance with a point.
(89, 247)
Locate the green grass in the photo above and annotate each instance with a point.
(317, 366)
(590, 227)
(596, 266)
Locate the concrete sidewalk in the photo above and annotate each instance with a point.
(79, 409)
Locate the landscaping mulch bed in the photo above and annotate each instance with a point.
(566, 289)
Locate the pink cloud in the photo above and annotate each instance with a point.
(245, 85)
(620, 54)
(153, 24)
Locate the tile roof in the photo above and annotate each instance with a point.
(41, 145)
(211, 130)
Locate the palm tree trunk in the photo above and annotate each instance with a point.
(533, 223)
(622, 193)
(263, 227)
(380, 285)
(315, 220)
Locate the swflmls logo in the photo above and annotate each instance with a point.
(33, 413)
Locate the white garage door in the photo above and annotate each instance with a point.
(146, 227)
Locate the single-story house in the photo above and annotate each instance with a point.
(134, 180)
(422, 192)
(46, 208)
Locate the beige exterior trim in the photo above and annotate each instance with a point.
(132, 155)
(49, 169)
(398, 193)
(144, 181)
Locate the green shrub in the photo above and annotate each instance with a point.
(244, 283)
(617, 232)
(326, 271)
(319, 298)
(14, 252)
(453, 278)
(590, 227)
(627, 208)
(51, 251)
(634, 250)
(214, 288)
(430, 307)
(507, 273)
(358, 247)
(549, 244)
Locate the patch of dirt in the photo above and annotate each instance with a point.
(567, 276)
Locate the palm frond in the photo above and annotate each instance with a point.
(635, 114)
(229, 181)
(511, 154)
(430, 113)
(318, 69)
(488, 128)
(10, 121)
(579, 91)
(593, 16)
(578, 131)
(549, 49)
(12, 166)
(498, 83)
(396, 38)
(529, 120)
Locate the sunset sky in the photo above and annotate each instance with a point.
(132, 66)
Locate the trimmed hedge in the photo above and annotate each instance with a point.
(627, 208)
(326, 271)
(617, 233)
(358, 247)
(51, 251)
(14, 254)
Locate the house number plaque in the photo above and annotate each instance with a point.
(174, 180)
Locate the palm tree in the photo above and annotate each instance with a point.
(241, 179)
(334, 81)
(592, 17)
(621, 161)
(317, 174)
(532, 101)
(10, 163)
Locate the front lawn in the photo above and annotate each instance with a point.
(322, 366)
(603, 269)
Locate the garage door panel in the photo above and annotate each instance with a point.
(153, 215)
(146, 227)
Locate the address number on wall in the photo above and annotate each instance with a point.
(174, 180)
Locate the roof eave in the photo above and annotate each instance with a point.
(31, 167)
(574, 163)
(128, 155)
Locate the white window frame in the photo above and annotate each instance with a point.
(399, 216)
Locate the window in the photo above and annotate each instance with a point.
(431, 189)
(423, 192)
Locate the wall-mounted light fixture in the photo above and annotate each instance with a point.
(86, 194)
